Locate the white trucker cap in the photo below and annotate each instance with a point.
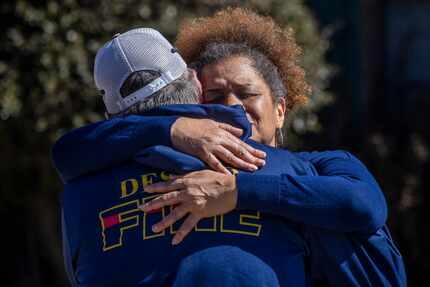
(135, 50)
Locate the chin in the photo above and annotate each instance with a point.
(256, 138)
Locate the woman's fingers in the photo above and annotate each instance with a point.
(238, 133)
(185, 228)
(176, 214)
(232, 151)
(228, 157)
(207, 136)
(170, 198)
(166, 186)
(259, 154)
(231, 129)
(244, 151)
(213, 162)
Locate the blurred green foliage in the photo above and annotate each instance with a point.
(46, 88)
(46, 63)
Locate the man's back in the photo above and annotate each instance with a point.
(112, 244)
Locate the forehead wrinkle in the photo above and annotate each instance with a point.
(232, 72)
(243, 86)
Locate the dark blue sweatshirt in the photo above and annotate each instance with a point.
(344, 198)
(111, 242)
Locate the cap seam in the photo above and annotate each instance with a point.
(123, 54)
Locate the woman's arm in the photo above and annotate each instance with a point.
(344, 197)
(107, 143)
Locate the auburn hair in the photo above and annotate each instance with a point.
(239, 25)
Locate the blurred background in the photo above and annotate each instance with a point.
(366, 60)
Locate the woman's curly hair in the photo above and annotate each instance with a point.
(239, 25)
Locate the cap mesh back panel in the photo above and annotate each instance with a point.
(150, 51)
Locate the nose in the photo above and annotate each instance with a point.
(231, 99)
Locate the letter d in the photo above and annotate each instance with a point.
(129, 187)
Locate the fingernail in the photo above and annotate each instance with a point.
(146, 208)
(175, 241)
(155, 228)
(143, 207)
(253, 168)
(261, 162)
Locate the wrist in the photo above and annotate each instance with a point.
(233, 188)
(176, 133)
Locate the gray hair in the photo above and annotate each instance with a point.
(180, 91)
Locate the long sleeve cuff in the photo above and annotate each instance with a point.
(260, 192)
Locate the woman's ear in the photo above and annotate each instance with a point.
(280, 112)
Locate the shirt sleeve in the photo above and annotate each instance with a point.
(364, 259)
(107, 143)
(344, 196)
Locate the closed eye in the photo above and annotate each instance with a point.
(245, 95)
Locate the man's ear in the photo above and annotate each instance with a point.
(280, 109)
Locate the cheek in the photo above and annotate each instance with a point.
(264, 111)
(263, 114)
(254, 106)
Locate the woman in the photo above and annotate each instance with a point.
(245, 59)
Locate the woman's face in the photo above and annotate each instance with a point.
(234, 81)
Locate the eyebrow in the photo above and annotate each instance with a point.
(213, 90)
(249, 87)
(235, 85)
(245, 85)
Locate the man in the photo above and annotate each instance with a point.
(131, 187)
(109, 239)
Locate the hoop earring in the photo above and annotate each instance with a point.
(279, 136)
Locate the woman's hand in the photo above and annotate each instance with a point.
(202, 194)
(214, 142)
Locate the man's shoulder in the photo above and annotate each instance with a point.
(320, 156)
(128, 173)
(279, 153)
(284, 160)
